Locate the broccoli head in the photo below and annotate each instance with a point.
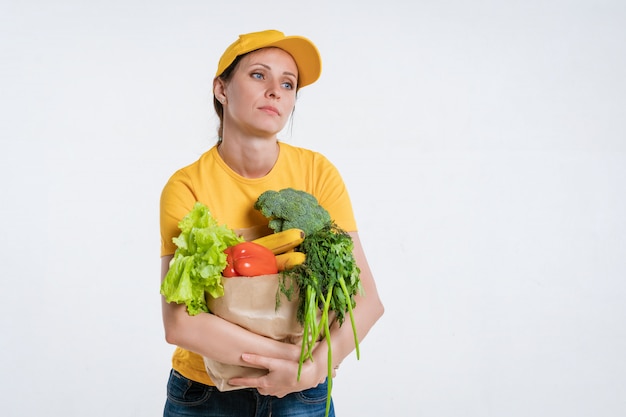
(290, 208)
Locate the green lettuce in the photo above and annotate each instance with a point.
(199, 260)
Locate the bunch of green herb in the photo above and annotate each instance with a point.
(327, 281)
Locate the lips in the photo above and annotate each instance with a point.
(270, 109)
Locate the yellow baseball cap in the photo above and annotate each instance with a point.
(303, 51)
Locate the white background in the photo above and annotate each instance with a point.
(483, 143)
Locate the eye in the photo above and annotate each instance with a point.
(257, 75)
(288, 85)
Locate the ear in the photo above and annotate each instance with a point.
(219, 89)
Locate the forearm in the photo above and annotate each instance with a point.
(366, 313)
(368, 310)
(342, 335)
(214, 337)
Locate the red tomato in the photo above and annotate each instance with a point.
(249, 259)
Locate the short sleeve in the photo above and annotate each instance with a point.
(177, 199)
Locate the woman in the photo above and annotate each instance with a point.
(254, 91)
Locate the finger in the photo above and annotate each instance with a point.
(259, 385)
(245, 382)
(259, 361)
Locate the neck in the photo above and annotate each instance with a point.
(252, 158)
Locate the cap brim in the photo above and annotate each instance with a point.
(306, 55)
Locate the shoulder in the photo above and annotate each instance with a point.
(182, 185)
(193, 169)
(300, 154)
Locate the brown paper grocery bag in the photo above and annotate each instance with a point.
(251, 302)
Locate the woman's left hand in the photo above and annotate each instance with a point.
(282, 378)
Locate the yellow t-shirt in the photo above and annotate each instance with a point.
(230, 199)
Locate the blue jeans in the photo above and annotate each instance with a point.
(193, 399)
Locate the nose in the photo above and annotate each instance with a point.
(273, 90)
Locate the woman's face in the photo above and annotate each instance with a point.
(262, 93)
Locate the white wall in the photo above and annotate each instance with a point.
(484, 144)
